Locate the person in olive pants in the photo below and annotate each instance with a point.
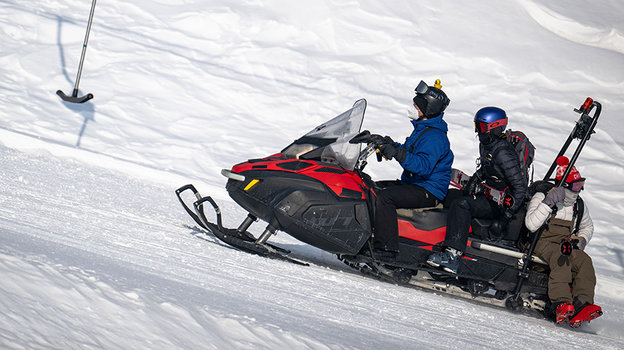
(568, 229)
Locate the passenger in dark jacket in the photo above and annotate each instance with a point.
(499, 168)
(426, 158)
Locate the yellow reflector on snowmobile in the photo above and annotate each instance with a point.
(251, 184)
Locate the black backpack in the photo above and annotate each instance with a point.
(525, 150)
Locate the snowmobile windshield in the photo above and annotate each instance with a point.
(329, 142)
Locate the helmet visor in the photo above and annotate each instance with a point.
(482, 127)
(576, 185)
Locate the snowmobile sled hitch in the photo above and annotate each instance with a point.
(238, 238)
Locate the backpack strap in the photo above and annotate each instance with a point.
(418, 138)
(579, 208)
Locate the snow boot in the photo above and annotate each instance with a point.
(447, 259)
(587, 313)
(563, 312)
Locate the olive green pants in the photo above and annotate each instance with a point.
(570, 276)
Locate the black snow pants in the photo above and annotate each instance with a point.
(392, 196)
(461, 213)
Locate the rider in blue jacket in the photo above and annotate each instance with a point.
(428, 164)
(426, 158)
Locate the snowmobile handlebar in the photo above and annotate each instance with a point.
(368, 138)
(373, 141)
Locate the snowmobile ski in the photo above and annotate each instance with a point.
(237, 238)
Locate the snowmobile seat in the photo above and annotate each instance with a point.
(408, 213)
(481, 229)
(424, 219)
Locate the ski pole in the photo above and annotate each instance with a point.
(74, 97)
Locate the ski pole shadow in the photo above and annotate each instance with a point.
(620, 256)
(59, 27)
(87, 111)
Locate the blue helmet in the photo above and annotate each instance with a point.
(490, 118)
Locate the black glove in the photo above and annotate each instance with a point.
(377, 140)
(470, 187)
(578, 243)
(554, 196)
(389, 150)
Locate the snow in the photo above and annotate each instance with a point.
(96, 252)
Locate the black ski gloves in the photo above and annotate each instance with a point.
(389, 150)
(554, 196)
(569, 244)
(578, 243)
(471, 186)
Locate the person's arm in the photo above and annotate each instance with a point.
(537, 212)
(509, 163)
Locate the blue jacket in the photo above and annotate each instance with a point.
(429, 163)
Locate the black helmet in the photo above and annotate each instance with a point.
(431, 100)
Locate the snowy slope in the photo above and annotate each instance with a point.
(95, 250)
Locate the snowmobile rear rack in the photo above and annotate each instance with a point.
(238, 238)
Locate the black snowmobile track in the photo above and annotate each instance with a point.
(437, 280)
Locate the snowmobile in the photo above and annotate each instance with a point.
(316, 190)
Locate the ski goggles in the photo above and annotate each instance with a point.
(482, 127)
(576, 185)
(423, 89)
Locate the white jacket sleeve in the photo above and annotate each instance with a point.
(537, 212)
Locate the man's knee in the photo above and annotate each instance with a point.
(462, 203)
(384, 198)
